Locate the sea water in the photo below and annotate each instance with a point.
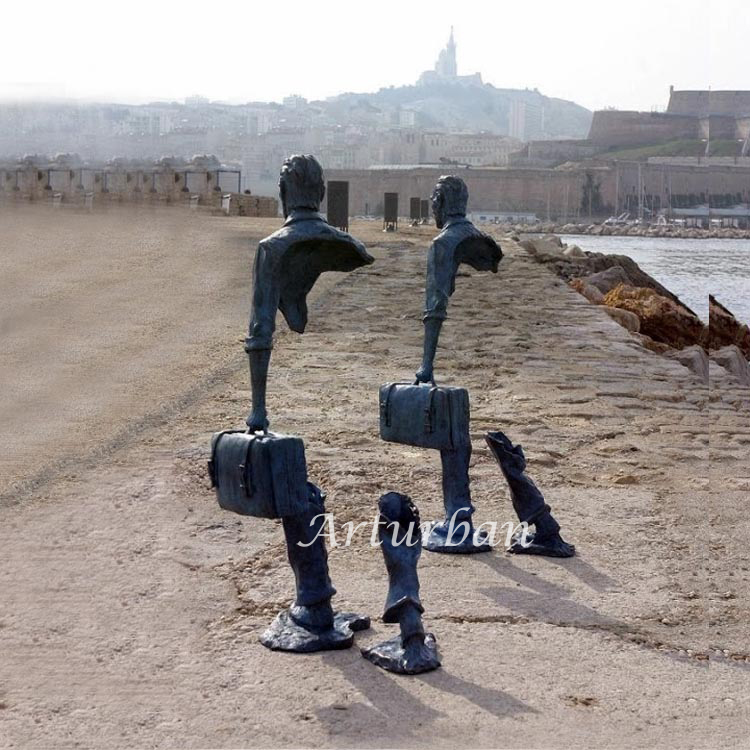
(691, 269)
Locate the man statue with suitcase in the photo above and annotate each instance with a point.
(264, 474)
(422, 413)
(461, 242)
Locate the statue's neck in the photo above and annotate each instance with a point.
(454, 219)
(302, 214)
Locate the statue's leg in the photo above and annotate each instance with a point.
(456, 490)
(413, 651)
(456, 534)
(310, 624)
(309, 560)
(528, 503)
(545, 540)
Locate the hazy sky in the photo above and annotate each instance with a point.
(598, 54)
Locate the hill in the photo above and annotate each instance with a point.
(458, 106)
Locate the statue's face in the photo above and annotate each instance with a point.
(438, 208)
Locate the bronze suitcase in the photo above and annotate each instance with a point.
(424, 415)
(261, 474)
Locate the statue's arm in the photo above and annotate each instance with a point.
(437, 292)
(259, 341)
(432, 328)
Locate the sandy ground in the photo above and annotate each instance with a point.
(130, 605)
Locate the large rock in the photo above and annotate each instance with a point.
(661, 319)
(625, 318)
(541, 247)
(575, 268)
(694, 358)
(607, 280)
(591, 293)
(573, 251)
(653, 346)
(732, 359)
(725, 330)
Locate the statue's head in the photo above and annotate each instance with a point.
(301, 184)
(449, 199)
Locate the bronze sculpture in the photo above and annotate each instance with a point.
(263, 474)
(287, 265)
(528, 503)
(459, 242)
(413, 651)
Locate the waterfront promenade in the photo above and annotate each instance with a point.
(130, 605)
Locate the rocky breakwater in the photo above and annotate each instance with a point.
(728, 341)
(654, 315)
(629, 230)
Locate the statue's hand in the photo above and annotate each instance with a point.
(424, 374)
(258, 420)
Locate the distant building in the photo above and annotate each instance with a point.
(447, 65)
(407, 118)
(705, 116)
(525, 121)
(446, 69)
(294, 101)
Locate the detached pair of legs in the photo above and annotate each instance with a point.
(456, 533)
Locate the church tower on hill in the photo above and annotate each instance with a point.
(447, 66)
(446, 69)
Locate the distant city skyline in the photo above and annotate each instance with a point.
(242, 52)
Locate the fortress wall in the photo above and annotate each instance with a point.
(533, 190)
(702, 103)
(722, 127)
(490, 190)
(730, 103)
(621, 129)
(694, 103)
(662, 179)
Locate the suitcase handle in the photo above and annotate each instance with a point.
(417, 381)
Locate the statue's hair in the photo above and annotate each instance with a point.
(302, 180)
(455, 195)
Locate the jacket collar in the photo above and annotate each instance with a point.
(454, 220)
(302, 214)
